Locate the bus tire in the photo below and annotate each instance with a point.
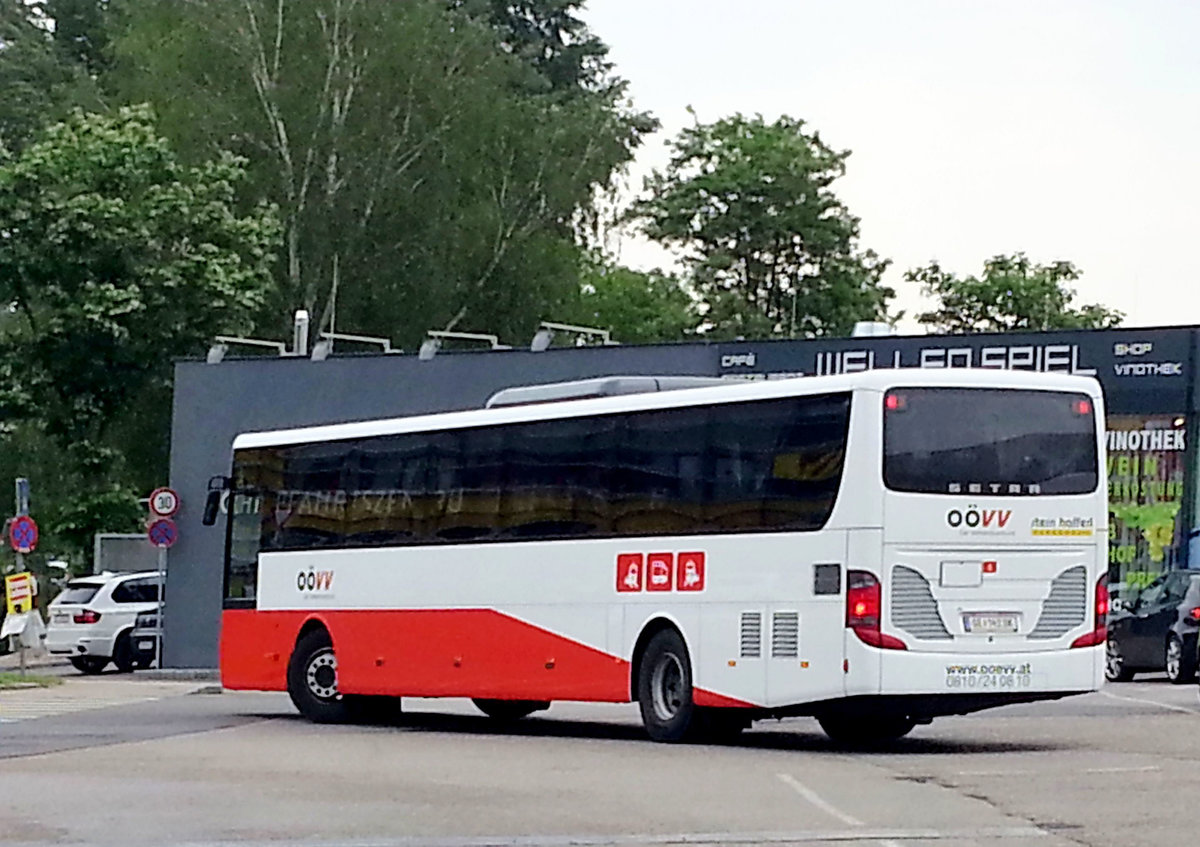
(312, 680)
(865, 730)
(664, 689)
(507, 711)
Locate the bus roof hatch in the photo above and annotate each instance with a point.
(605, 386)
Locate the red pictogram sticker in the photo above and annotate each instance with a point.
(660, 569)
(989, 567)
(629, 571)
(689, 574)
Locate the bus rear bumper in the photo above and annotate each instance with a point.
(921, 708)
(1076, 670)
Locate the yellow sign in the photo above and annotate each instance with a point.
(18, 592)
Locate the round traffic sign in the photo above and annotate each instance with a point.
(23, 534)
(162, 532)
(164, 502)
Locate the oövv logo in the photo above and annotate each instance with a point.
(314, 581)
(975, 518)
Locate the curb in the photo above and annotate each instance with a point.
(180, 675)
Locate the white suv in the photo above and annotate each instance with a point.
(91, 619)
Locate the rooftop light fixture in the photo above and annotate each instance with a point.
(221, 345)
(431, 345)
(546, 330)
(323, 348)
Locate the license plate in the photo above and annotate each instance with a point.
(988, 623)
(62, 617)
(961, 575)
(146, 645)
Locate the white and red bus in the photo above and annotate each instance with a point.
(873, 549)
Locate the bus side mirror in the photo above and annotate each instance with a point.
(212, 505)
(217, 486)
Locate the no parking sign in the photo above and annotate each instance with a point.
(23, 534)
(162, 532)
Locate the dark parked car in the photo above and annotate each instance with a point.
(1156, 631)
(144, 638)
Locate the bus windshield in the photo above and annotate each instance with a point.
(989, 441)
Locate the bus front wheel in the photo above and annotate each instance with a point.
(865, 730)
(312, 680)
(665, 688)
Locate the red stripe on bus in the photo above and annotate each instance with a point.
(704, 697)
(431, 653)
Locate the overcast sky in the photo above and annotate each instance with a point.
(1069, 129)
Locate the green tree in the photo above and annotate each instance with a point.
(69, 502)
(550, 37)
(1012, 293)
(770, 248)
(82, 30)
(115, 258)
(637, 307)
(38, 82)
(421, 182)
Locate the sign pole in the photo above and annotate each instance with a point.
(162, 532)
(21, 639)
(22, 503)
(162, 572)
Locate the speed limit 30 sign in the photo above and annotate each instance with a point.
(164, 502)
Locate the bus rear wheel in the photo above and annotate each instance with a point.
(664, 689)
(312, 680)
(509, 710)
(865, 730)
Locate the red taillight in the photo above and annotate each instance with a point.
(87, 616)
(864, 607)
(895, 402)
(1195, 613)
(1083, 407)
(863, 599)
(1100, 630)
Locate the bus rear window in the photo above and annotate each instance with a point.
(989, 441)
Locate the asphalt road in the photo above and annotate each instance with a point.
(1116, 768)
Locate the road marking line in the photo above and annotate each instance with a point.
(1146, 702)
(1031, 772)
(818, 801)
(13, 710)
(683, 838)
